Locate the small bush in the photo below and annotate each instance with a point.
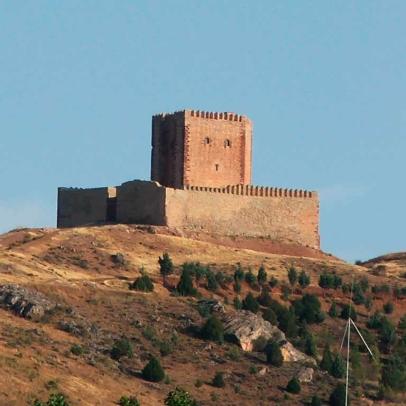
(118, 259)
(308, 309)
(274, 354)
(329, 281)
(264, 298)
(56, 399)
(237, 286)
(76, 349)
(180, 397)
(327, 360)
(262, 276)
(121, 348)
(273, 282)
(315, 401)
(165, 265)
(218, 380)
(250, 278)
(213, 330)
(153, 371)
(304, 279)
(337, 367)
(143, 283)
(270, 315)
(293, 386)
(348, 311)
(250, 303)
(128, 401)
(333, 313)
(237, 303)
(185, 286)
(286, 291)
(388, 307)
(337, 397)
(212, 283)
(239, 273)
(292, 276)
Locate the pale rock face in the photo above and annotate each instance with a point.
(291, 354)
(247, 327)
(305, 375)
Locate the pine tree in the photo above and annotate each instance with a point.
(304, 280)
(166, 265)
(337, 397)
(153, 371)
(292, 276)
(338, 367)
(293, 386)
(333, 310)
(262, 276)
(185, 286)
(274, 354)
(213, 330)
(327, 360)
(237, 303)
(310, 345)
(250, 303)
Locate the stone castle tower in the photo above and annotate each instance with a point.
(200, 183)
(202, 149)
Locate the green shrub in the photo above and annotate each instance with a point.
(270, 315)
(337, 397)
(121, 348)
(394, 374)
(337, 367)
(308, 309)
(293, 386)
(273, 282)
(273, 354)
(333, 313)
(212, 283)
(239, 273)
(165, 348)
(213, 330)
(237, 286)
(165, 265)
(143, 283)
(329, 281)
(128, 401)
(310, 345)
(327, 360)
(180, 397)
(286, 291)
(250, 303)
(358, 295)
(292, 276)
(218, 380)
(153, 371)
(388, 307)
(56, 399)
(185, 286)
(402, 322)
(348, 311)
(264, 298)
(262, 276)
(315, 401)
(304, 279)
(287, 322)
(76, 349)
(237, 303)
(250, 278)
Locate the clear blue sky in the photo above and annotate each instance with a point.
(323, 81)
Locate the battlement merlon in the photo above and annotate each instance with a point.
(228, 116)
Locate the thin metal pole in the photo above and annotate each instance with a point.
(362, 338)
(343, 339)
(348, 361)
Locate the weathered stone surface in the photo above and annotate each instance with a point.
(305, 375)
(247, 327)
(25, 302)
(211, 306)
(291, 354)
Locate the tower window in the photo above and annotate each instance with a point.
(227, 143)
(217, 167)
(207, 141)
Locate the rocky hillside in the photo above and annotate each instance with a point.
(388, 265)
(71, 324)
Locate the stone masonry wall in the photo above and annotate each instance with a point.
(141, 202)
(284, 216)
(201, 148)
(217, 149)
(79, 207)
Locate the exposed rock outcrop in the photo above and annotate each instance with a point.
(246, 327)
(27, 303)
(305, 375)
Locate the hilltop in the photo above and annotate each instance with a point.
(82, 277)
